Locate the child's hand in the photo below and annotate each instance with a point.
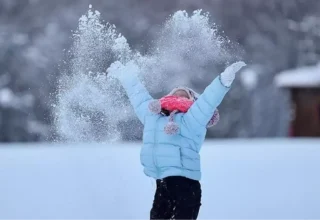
(115, 69)
(228, 75)
(235, 67)
(118, 70)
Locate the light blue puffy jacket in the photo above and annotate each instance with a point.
(164, 155)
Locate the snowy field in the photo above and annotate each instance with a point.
(242, 179)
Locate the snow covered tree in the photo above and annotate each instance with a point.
(275, 34)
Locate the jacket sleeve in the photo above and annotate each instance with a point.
(202, 110)
(138, 95)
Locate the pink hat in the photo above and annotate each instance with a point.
(172, 127)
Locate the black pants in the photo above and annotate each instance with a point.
(176, 198)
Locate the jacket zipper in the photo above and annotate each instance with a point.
(155, 148)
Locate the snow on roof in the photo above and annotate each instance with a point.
(303, 77)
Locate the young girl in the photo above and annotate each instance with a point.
(174, 131)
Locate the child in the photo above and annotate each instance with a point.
(174, 131)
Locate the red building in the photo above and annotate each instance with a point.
(304, 85)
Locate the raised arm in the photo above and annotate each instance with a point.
(202, 110)
(138, 95)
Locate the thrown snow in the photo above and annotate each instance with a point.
(308, 76)
(186, 48)
(242, 179)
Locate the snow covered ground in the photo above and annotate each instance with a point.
(248, 179)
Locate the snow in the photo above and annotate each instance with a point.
(6, 97)
(10, 100)
(20, 39)
(36, 127)
(302, 77)
(309, 24)
(249, 79)
(183, 50)
(242, 179)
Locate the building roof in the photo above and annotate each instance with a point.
(303, 77)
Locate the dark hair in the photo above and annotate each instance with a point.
(165, 112)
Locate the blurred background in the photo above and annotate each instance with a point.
(278, 95)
